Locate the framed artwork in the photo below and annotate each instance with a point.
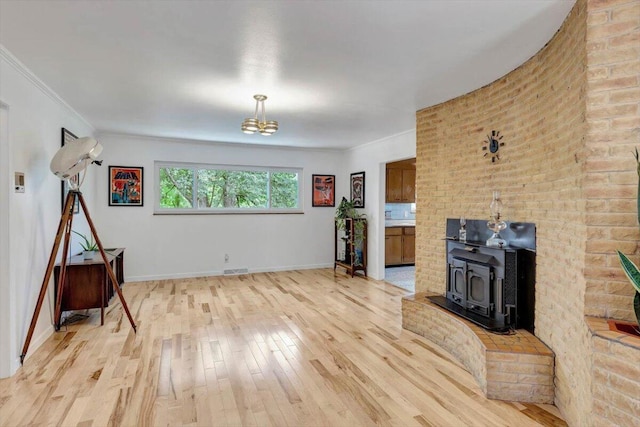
(324, 190)
(64, 185)
(357, 189)
(125, 186)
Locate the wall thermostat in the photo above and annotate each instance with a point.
(19, 182)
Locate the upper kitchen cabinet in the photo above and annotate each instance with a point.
(401, 182)
(394, 185)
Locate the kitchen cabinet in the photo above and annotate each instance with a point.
(401, 183)
(400, 245)
(409, 185)
(393, 246)
(394, 185)
(409, 245)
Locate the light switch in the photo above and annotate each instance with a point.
(19, 182)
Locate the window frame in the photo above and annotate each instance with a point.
(195, 210)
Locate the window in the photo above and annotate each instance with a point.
(198, 188)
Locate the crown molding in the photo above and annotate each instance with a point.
(14, 62)
(111, 134)
(381, 140)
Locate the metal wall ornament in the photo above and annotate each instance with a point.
(491, 145)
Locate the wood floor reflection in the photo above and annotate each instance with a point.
(297, 348)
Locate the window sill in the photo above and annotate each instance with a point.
(230, 212)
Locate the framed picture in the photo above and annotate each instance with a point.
(357, 189)
(64, 185)
(324, 190)
(125, 186)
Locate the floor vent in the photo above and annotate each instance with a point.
(234, 271)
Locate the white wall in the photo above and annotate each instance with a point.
(171, 246)
(372, 158)
(34, 116)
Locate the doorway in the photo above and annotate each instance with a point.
(400, 222)
(403, 277)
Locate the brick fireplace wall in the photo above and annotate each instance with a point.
(611, 182)
(570, 120)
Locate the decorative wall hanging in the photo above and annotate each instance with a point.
(357, 189)
(64, 185)
(125, 186)
(492, 145)
(323, 190)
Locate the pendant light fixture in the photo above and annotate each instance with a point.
(253, 125)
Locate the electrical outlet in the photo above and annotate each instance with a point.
(226, 258)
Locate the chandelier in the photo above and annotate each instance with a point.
(253, 125)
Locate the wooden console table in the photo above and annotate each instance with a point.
(87, 283)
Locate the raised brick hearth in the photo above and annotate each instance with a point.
(516, 367)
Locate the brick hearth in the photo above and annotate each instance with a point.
(516, 367)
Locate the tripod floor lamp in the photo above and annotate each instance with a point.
(69, 161)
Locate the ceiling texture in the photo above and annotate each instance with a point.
(337, 74)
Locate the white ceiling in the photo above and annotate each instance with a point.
(337, 73)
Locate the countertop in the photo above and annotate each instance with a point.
(400, 223)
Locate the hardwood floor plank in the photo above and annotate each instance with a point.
(293, 348)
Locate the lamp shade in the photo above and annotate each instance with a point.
(74, 157)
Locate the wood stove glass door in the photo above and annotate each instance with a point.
(457, 282)
(479, 288)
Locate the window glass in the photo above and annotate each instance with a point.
(225, 189)
(232, 189)
(176, 188)
(284, 190)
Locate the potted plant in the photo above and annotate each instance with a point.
(630, 269)
(346, 210)
(89, 246)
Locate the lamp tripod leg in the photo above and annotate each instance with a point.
(107, 265)
(63, 263)
(43, 289)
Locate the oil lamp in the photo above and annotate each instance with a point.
(496, 224)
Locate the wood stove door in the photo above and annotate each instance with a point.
(479, 277)
(457, 282)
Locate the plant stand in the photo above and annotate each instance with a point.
(349, 253)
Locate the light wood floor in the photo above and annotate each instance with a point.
(299, 348)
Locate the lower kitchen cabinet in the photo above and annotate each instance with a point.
(393, 246)
(409, 246)
(400, 245)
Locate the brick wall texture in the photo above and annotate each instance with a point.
(508, 373)
(613, 133)
(616, 376)
(570, 117)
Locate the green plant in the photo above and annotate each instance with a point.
(632, 272)
(630, 269)
(345, 211)
(87, 244)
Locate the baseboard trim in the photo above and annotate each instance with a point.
(37, 342)
(130, 279)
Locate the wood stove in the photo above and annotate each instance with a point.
(492, 287)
